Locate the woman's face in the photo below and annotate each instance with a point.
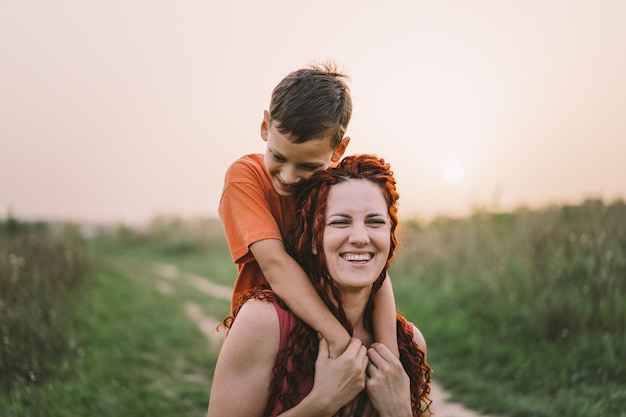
(356, 234)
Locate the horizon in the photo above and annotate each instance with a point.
(403, 217)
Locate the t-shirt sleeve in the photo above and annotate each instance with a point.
(245, 210)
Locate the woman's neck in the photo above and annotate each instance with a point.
(354, 306)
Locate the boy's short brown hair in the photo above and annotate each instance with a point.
(311, 103)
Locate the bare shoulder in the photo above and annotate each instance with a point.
(253, 339)
(245, 362)
(256, 317)
(419, 339)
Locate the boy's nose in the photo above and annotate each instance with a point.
(290, 175)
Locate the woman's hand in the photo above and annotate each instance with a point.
(338, 381)
(388, 386)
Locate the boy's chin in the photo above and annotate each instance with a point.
(284, 194)
(281, 191)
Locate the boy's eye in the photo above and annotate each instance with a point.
(278, 158)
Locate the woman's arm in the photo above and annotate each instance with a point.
(244, 367)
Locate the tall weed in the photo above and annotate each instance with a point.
(41, 270)
(532, 299)
(554, 271)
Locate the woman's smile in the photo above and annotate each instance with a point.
(357, 257)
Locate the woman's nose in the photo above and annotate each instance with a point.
(358, 235)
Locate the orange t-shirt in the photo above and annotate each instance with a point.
(251, 210)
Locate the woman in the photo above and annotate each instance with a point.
(271, 363)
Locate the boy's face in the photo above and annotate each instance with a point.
(288, 162)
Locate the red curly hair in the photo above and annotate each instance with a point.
(303, 342)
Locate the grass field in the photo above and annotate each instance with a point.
(130, 347)
(524, 313)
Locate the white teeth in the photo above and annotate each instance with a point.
(356, 257)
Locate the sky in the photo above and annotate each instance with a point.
(121, 110)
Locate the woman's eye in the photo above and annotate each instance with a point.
(378, 222)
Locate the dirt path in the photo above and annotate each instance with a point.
(440, 404)
(441, 407)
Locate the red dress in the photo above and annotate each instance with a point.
(287, 321)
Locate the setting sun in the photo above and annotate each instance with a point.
(453, 172)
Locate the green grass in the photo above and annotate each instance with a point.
(42, 270)
(523, 312)
(502, 373)
(196, 246)
(135, 352)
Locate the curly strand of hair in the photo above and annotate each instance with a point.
(302, 348)
(414, 361)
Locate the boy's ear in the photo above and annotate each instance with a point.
(340, 149)
(265, 125)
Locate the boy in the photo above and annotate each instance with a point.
(304, 130)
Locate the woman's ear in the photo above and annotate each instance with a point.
(313, 248)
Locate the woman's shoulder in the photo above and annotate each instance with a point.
(418, 337)
(257, 319)
(257, 309)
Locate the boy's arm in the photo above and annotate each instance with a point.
(290, 282)
(384, 316)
